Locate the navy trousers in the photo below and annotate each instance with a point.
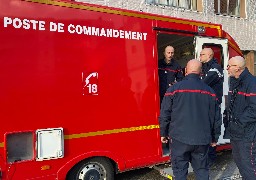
(244, 154)
(212, 155)
(182, 154)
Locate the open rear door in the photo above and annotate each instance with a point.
(220, 47)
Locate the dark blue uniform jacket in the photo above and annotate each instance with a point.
(189, 112)
(240, 120)
(168, 73)
(212, 75)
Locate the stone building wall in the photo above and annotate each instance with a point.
(242, 30)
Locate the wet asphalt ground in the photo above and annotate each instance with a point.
(223, 169)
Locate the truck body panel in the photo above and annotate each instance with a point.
(91, 70)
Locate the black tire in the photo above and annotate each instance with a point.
(97, 168)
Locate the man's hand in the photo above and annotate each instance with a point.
(164, 139)
(213, 144)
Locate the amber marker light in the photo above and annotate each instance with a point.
(46, 167)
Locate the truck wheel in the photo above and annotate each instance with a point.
(97, 168)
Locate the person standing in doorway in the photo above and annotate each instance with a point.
(240, 117)
(187, 120)
(169, 71)
(212, 75)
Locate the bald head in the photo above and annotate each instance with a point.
(193, 66)
(206, 55)
(236, 66)
(238, 60)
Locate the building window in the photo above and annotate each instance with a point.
(227, 7)
(186, 4)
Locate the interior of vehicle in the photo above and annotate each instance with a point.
(184, 50)
(183, 46)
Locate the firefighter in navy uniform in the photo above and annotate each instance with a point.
(169, 71)
(240, 117)
(189, 113)
(212, 75)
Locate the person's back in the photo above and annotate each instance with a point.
(188, 121)
(191, 119)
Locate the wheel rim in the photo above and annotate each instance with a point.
(92, 171)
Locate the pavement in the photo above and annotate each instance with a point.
(223, 169)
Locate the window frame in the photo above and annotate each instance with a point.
(192, 6)
(227, 11)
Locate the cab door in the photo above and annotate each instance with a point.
(220, 48)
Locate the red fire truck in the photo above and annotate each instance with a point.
(79, 96)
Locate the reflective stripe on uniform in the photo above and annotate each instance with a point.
(217, 71)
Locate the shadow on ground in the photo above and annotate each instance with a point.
(223, 169)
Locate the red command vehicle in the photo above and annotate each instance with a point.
(79, 94)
